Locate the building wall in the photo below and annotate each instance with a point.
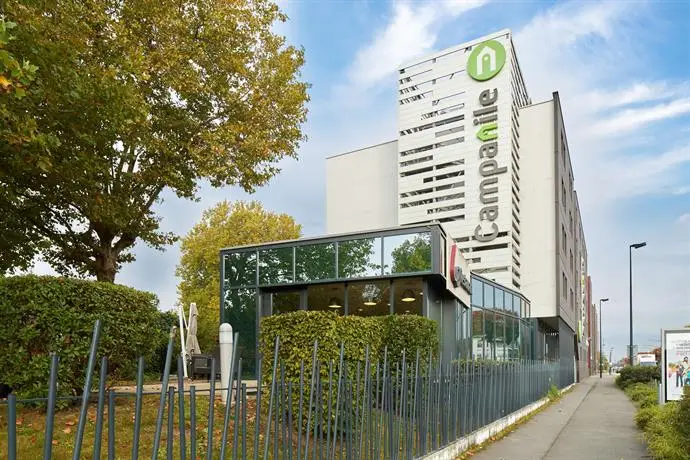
(439, 159)
(539, 239)
(361, 189)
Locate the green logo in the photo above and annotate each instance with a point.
(486, 60)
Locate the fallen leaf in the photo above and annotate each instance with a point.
(70, 423)
(55, 442)
(67, 430)
(20, 421)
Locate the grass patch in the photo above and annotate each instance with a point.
(31, 429)
(664, 427)
(553, 395)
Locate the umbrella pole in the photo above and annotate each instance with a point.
(183, 349)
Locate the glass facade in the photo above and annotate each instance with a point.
(400, 271)
(501, 328)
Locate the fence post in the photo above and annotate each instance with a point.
(12, 426)
(87, 389)
(99, 410)
(50, 415)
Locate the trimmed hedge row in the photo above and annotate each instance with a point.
(298, 331)
(637, 374)
(45, 314)
(666, 428)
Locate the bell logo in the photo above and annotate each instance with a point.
(486, 60)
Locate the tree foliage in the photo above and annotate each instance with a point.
(413, 255)
(143, 97)
(224, 225)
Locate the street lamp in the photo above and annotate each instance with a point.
(632, 246)
(601, 346)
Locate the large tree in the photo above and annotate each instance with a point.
(143, 96)
(224, 225)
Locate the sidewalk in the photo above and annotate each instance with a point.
(594, 421)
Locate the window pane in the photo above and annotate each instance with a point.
(326, 297)
(489, 335)
(239, 309)
(516, 305)
(488, 296)
(369, 299)
(512, 338)
(508, 302)
(275, 266)
(477, 291)
(284, 302)
(499, 336)
(359, 258)
(315, 262)
(240, 269)
(477, 333)
(408, 296)
(407, 253)
(499, 298)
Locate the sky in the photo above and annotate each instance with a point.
(622, 69)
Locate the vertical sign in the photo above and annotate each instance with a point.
(676, 363)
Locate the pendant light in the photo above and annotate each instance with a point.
(334, 303)
(408, 295)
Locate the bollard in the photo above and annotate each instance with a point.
(226, 345)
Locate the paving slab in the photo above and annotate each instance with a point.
(593, 421)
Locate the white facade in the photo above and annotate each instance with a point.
(554, 251)
(361, 189)
(477, 156)
(443, 175)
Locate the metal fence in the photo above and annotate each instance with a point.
(371, 409)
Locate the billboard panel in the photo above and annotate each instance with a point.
(676, 368)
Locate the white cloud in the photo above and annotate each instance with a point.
(630, 119)
(684, 218)
(412, 31)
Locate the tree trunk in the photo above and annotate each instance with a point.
(106, 265)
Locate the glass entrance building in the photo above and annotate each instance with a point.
(414, 270)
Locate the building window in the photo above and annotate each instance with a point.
(570, 216)
(563, 193)
(564, 239)
(326, 297)
(564, 285)
(370, 299)
(408, 294)
(572, 262)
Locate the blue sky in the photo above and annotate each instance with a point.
(623, 73)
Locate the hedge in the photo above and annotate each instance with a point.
(637, 374)
(298, 331)
(44, 314)
(665, 427)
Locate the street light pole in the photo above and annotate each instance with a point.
(601, 346)
(632, 246)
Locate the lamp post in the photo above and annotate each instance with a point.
(632, 246)
(601, 346)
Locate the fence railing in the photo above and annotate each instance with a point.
(371, 409)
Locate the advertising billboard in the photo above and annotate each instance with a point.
(676, 366)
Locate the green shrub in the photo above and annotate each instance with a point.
(298, 331)
(684, 415)
(646, 415)
(44, 314)
(664, 439)
(637, 374)
(644, 394)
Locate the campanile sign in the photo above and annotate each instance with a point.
(485, 62)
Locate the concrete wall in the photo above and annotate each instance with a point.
(361, 189)
(539, 203)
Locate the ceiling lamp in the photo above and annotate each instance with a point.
(408, 295)
(369, 303)
(334, 303)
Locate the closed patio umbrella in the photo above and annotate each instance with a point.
(192, 346)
